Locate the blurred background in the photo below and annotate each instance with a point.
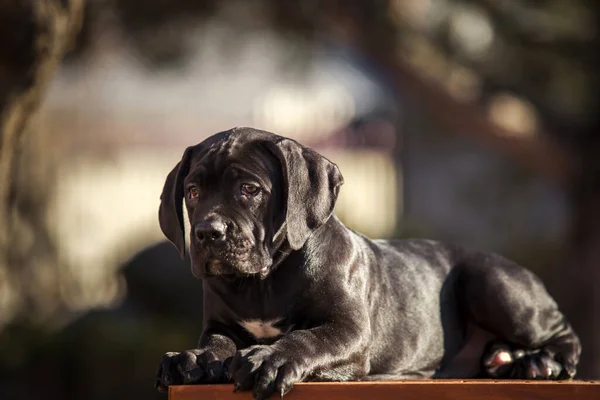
(471, 121)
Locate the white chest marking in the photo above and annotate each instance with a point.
(261, 329)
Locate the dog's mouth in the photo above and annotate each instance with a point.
(215, 267)
(229, 261)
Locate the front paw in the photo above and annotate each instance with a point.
(190, 367)
(265, 370)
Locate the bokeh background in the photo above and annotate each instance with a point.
(471, 121)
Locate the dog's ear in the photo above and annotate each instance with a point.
(170, 212)
(311, 184)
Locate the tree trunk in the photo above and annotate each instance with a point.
(34, 36)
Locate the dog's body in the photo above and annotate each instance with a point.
(291, 294)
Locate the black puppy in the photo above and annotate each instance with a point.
(291, 294)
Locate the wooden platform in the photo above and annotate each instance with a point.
(408, 390)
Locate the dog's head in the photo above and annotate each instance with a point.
(246, 192)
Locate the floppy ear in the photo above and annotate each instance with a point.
(170, 212)
(311, 183)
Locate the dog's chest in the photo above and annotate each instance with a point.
(266, 322)
(266, 309)
(263, 329)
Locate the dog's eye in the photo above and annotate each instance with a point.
(193, 192)
(249, 189)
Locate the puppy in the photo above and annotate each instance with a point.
(291, 294)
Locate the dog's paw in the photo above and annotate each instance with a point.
(190, 367)
(264, 370)
(504, 362)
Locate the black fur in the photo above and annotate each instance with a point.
(346, 307)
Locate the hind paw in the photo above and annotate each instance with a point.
(504, 362)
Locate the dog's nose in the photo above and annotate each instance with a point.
(210, 231)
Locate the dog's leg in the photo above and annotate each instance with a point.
(536, 340)
(331, 352)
